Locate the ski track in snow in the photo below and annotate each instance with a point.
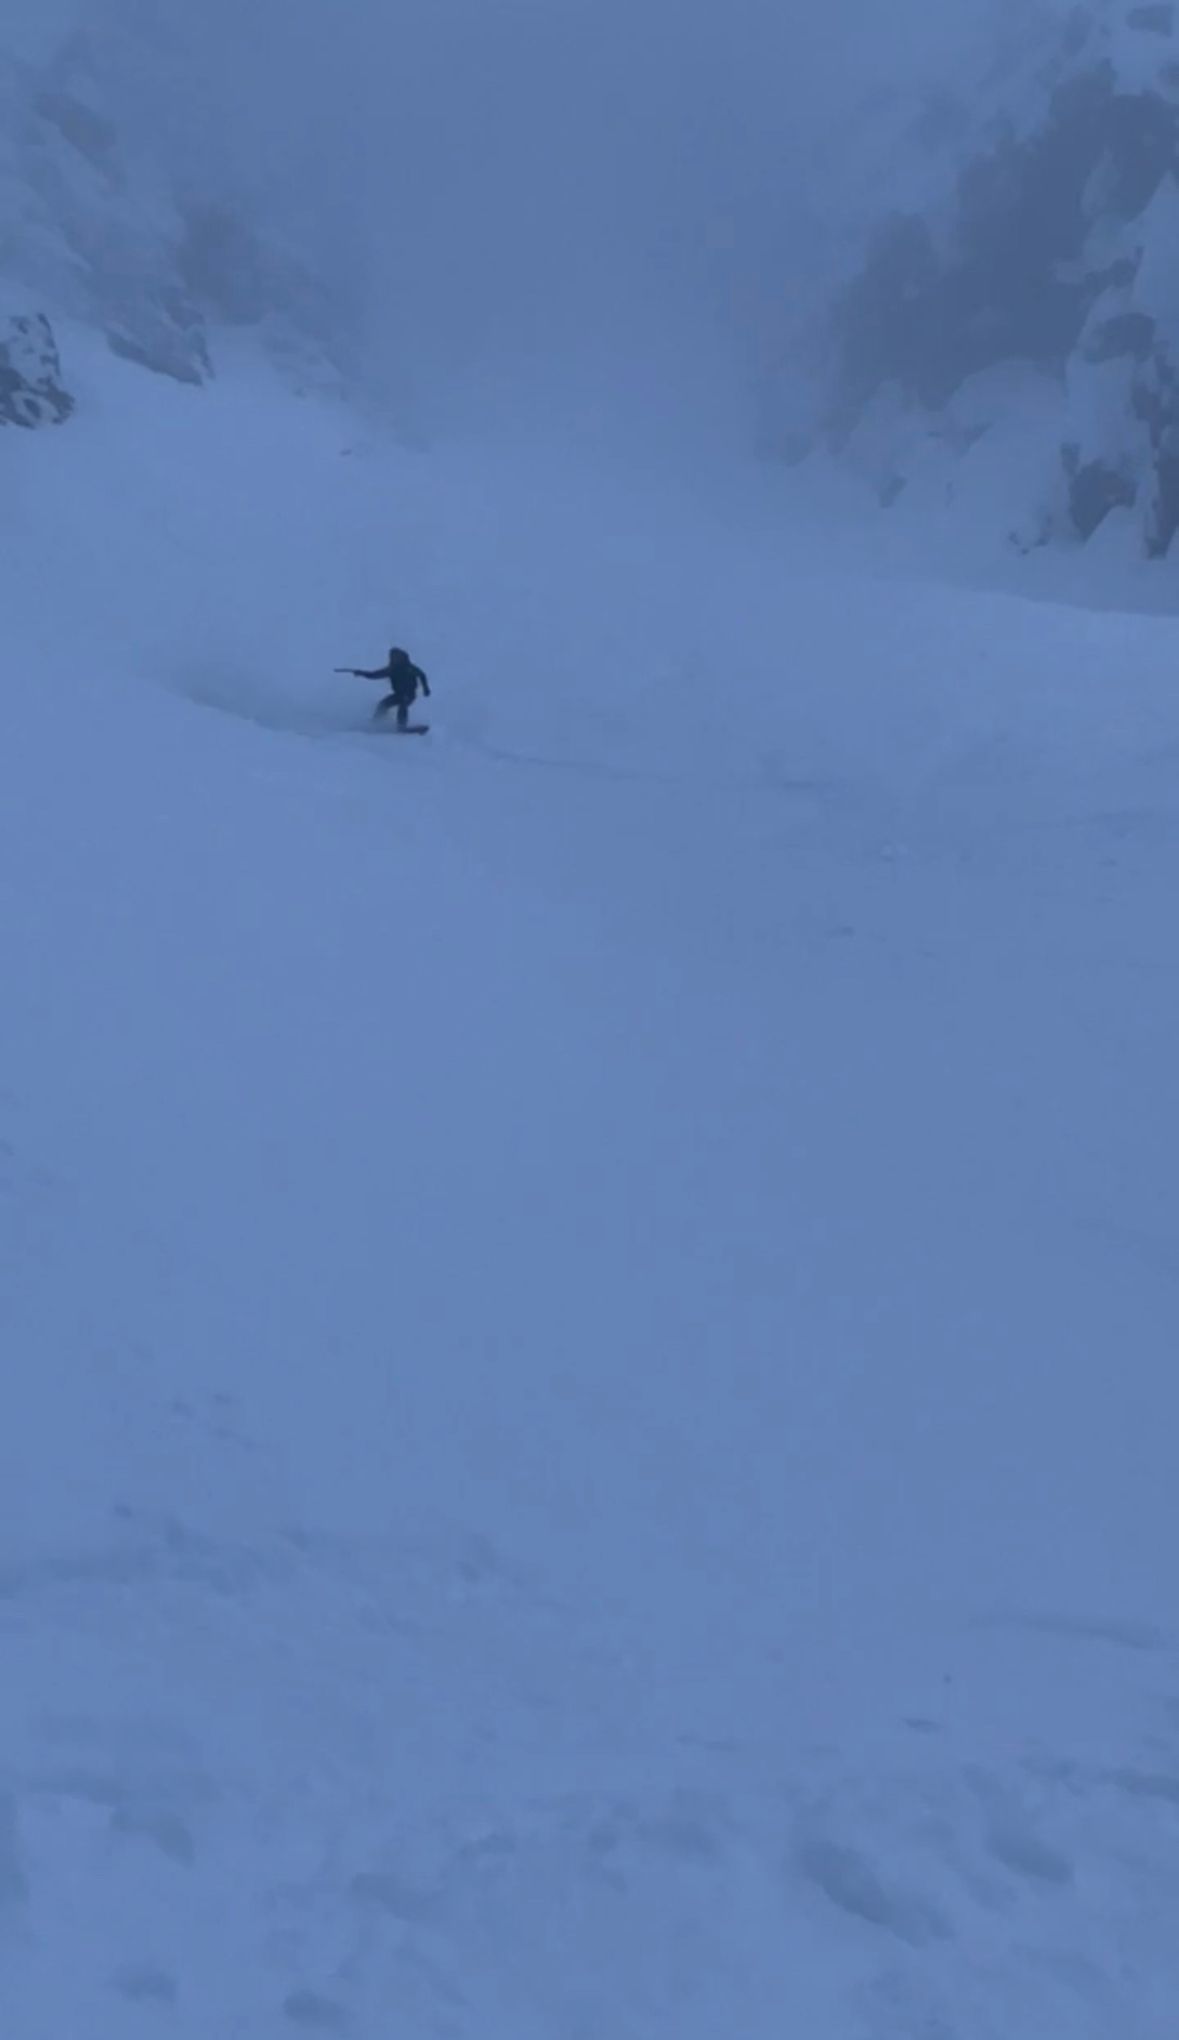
(589, 1438)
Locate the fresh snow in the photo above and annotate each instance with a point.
(589, 1305)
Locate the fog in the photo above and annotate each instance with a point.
(601, 209)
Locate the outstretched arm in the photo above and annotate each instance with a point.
(379, 673)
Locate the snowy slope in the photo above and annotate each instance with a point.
(589, 1305)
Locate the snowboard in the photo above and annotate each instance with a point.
(413, 729)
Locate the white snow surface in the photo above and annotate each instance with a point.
(588, 1304)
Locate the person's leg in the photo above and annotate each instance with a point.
(402, 714)
(383, 707)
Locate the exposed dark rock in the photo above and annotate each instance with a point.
(1013, 286)
(222, 266)
(1095, 488)
(881, 322)
(1036, 285)
(162, 329)
(1155, 404)
(1129, 335)
(1163, 522)
(31, 391)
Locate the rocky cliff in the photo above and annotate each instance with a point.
(94, 231)
(1007, 337)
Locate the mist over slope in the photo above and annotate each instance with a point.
(100, 229)
(508, 210)
(587, 1301)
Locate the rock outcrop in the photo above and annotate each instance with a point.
(90, 234)
(1031, 292)
(31, 388)
(96, 232)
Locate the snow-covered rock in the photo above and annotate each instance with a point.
(88, 232)
(31, 390)
(1035, 232)
(95, 230)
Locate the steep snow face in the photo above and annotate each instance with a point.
(588, 1304)
(1009, 342)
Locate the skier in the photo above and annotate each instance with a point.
(404, 681)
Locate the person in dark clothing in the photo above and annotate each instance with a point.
(404, 681)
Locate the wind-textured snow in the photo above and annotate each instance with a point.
(588, 1304)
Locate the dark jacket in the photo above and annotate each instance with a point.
(403, 676)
